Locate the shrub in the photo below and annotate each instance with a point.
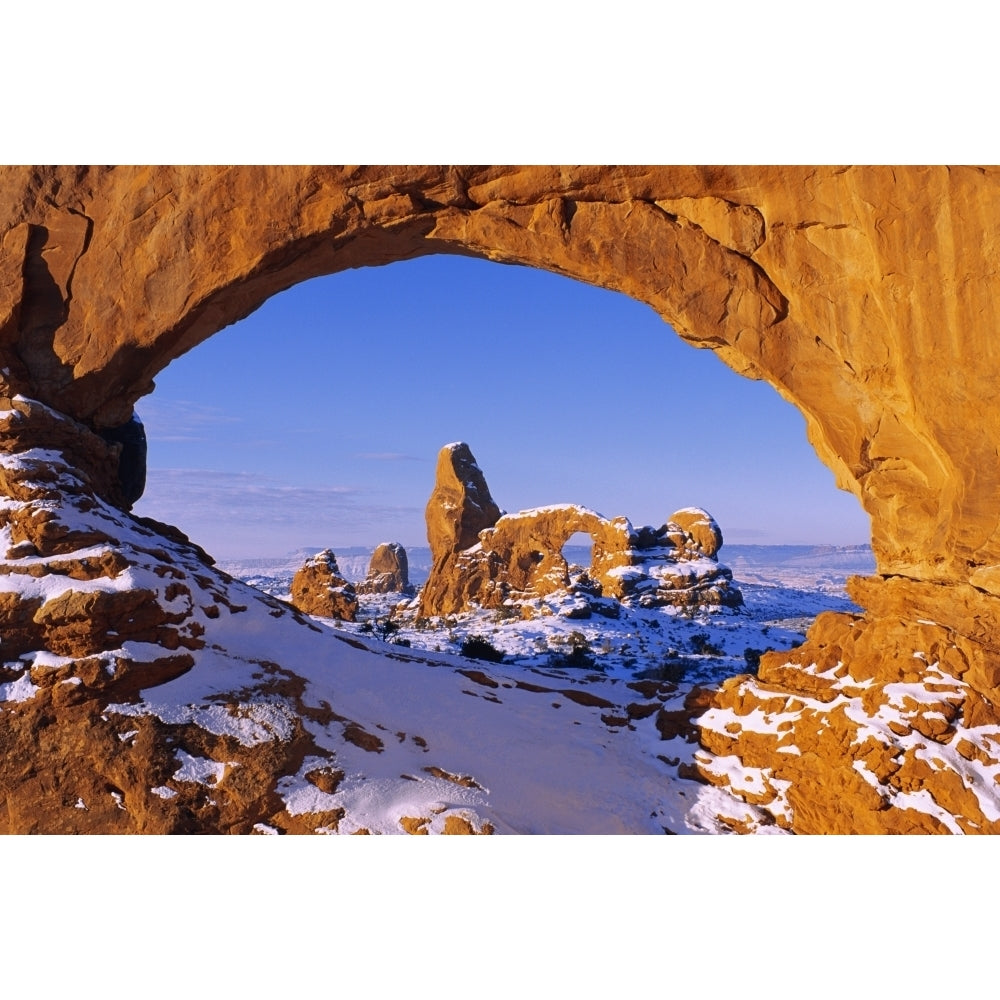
(578, 655)
(506, 613)
(701, 646)
(673, 670)
(475, 647)
(752, 657)
(384, 628)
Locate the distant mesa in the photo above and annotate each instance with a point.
(319, 589)
(486, 558)
(388, 571)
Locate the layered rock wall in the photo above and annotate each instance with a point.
(860, 293)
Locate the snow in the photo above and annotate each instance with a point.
(511, 758)
(375, 804)
(922, 801)
(555, 508)
(506, 746)
(250, 723)
(538, 768)
(200, 769)
(540, 762)
(19, 690)
(757, 721)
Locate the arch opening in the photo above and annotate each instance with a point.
(352, 391)
(578, 552)
(336, 404)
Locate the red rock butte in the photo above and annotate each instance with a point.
(866, 296)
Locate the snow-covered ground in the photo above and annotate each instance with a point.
(583, 728)
(560, 737)
(782, 596)
(823, 568)
(423, 741)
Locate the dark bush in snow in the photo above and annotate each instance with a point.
(477, 648)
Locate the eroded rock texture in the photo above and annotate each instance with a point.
(518, 557)
(866, 296)
(319, 589)
(388, 571)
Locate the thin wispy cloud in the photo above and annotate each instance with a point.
(254, 515)
(181, 420)
(242, 494)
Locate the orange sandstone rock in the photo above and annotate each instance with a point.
(517, 557)
(388, 571)
(319, 589)
(837, 285)
(867, 296)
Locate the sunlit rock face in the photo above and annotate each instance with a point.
(461, 505)
(867, 728)
(388, 571)
(515, 558)
(866, 296)
(860, 293)
(319, 589)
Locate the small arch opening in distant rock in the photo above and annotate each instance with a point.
(577, 550)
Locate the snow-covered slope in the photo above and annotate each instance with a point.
(144, 690)
(423, 741)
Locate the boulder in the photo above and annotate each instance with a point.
(388, 571)
(701, 529)
(319, 589)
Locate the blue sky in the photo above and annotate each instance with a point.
(317, 420)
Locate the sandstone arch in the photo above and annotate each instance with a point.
(864, 295)
(837, 286)
(483, 557)
(531, 543)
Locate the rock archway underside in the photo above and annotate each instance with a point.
(868, 297)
